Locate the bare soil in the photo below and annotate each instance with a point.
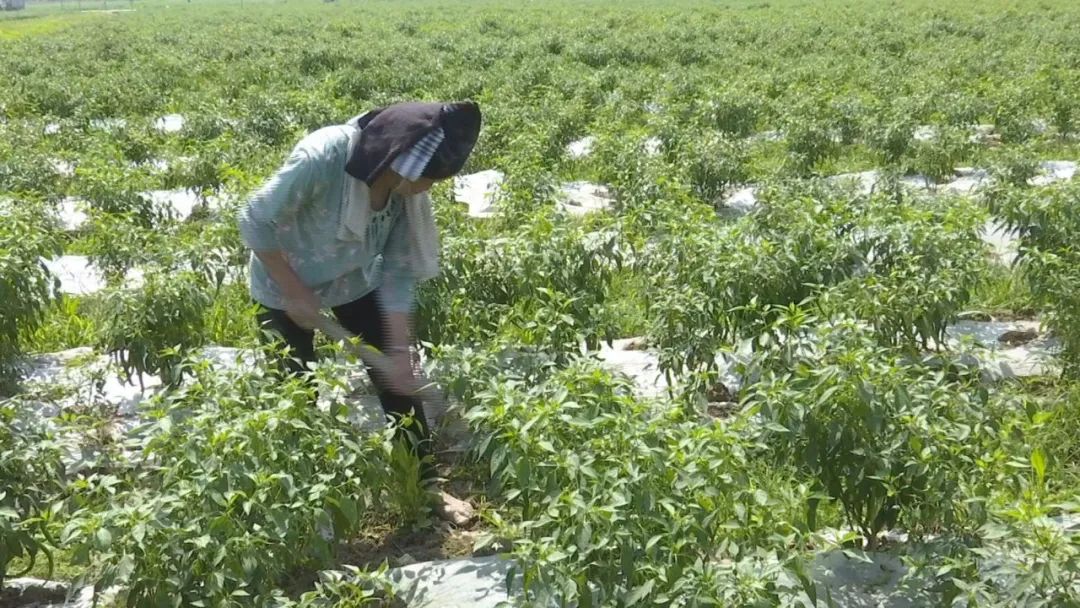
(401, 547)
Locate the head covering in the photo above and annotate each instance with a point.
(416, 140)
(411, 163)
(393, 132)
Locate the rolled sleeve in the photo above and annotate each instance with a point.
(398, 290)
(277, 201)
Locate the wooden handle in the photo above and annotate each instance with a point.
(374, 359)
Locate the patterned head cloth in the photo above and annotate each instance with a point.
(414, 139)
(411, 163)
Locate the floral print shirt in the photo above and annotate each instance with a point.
(298, 212)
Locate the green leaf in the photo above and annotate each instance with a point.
(556, 556)
(639, 592)
(125, 568)
(104, 538)
(483, 541)
(139, 532)
(1038, 462)
(761, 497)
(218, 498)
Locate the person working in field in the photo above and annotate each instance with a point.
(346, 224)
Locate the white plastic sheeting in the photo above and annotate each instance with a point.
(80, 597)
(867, 182)
(1002, 241)
(1054, 171)
(72, 213)
(641, 366)
(82, 377)
(159, 164)
(108, 124)
(480, 191)
(851, 579)
(630, 357)
(86, 378)
(581, 148)
(180, 201)
(924, 133)
(1000, 359)
(62, 167)
(743, 200)
(170, 123)
(581, 198)
(968, 181)
(79, 277)
(473, 582)
(653, 145)
(771, 135)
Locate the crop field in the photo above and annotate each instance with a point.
(741, 304)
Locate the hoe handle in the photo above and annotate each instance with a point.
(377, 361)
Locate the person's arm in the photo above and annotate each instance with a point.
(301, 303)
(397, 291)
(272, 206)
(397, 300)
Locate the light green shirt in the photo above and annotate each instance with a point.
(298, 211)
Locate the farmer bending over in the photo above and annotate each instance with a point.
(346, 224)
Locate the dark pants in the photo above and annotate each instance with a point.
(363, 318)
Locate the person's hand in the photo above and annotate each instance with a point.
(303, 307)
